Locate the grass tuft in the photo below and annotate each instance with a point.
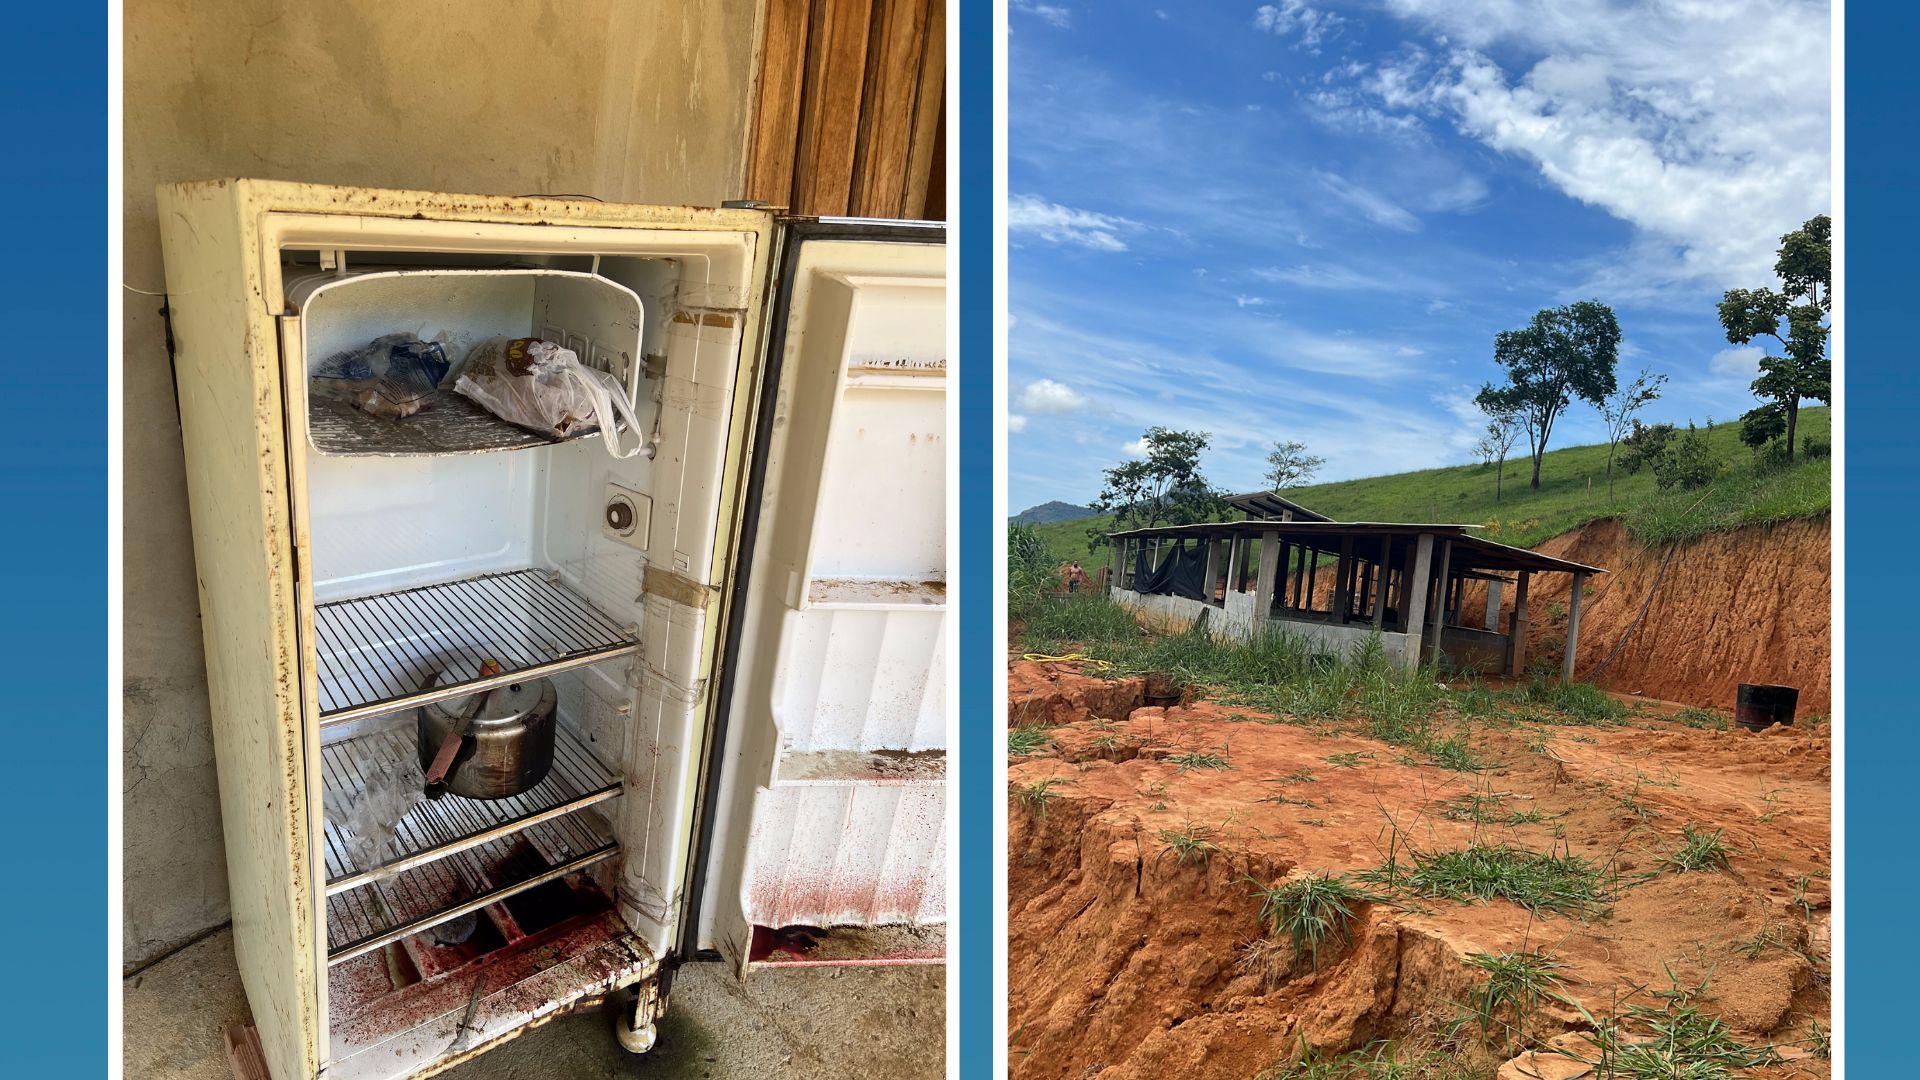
(1487, 809)
(1671, 1041)
(1037, 795)
(1193, 759)
(1541, 882)
(1027, 739)
(1190, 844)
(1705, 719)
(1312, 910)
(1699, 850)
(1517, 982)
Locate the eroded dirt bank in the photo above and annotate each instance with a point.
(1128, 960)
(1753, 605)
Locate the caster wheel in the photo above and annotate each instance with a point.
(637, 1040)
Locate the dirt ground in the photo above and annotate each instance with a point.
(807, 1023)
(1127, 961)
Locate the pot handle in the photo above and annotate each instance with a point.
(443, 759)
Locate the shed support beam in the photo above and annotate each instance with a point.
(1517, 628)
(1440, 616)
(1414, 598)
(1493, 606)
(1573, 627)
(1343, 591)
(1269, 575)
(1213, 567)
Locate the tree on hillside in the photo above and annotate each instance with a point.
(1618, 409)
(1565, 353)
(1164, 486)
(1289, 465)
(1805, 299)
(1503, 429)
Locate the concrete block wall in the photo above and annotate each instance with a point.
(1174, 614)
(619, 101)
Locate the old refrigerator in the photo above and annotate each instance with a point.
(745, 622)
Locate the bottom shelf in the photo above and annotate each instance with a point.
(364, 918)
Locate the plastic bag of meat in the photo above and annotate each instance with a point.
(392, 376)
(542, 387)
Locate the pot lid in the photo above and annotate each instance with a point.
(510, 704)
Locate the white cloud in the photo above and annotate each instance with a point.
(1047, 396)
(1739, 362)
(1137, 448)
(1373, 206)
(1614, 106)
(1337, 278)
(1051, 14)
(1341, 110)
(1016, 423)
(1287, 16)
(1250, 301)
(1058, 224)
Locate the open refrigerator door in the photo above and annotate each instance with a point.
(823, 831)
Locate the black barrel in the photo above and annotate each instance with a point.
(1760, 706)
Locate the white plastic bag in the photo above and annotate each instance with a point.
(537, 385)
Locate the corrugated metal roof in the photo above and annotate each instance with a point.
(1470, 552)
(1273, 505)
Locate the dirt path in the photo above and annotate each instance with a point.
(1128, 961)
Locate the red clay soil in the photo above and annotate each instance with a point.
(1125, 962)
(1753, 605)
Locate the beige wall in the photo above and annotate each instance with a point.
(637, 102)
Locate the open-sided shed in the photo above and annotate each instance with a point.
(1404, 581)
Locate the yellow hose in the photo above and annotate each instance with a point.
(1068, 658)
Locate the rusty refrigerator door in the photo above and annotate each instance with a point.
(825, 799)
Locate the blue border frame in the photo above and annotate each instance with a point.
(1883, 749)
(978, 664)
(53, 102)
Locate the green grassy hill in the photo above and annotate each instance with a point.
(1573, 491)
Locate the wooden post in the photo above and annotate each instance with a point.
(1493, 606)
(1301, 601)
(1440, 616)
(1119, 564)
(1573, 627)
(1213, 561)
(1312, 560)
(1263, 588)
(1517, 628)
(1343, 591)
(1378, 578)
(1413, 596)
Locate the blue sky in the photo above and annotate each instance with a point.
(1308, 220)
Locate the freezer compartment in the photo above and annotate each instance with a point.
(598, 318)
(412, 646)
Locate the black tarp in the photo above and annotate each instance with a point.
(1182, 573)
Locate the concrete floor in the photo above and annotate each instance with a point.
(839, 1023)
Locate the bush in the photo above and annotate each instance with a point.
(1644, 445)
(1816, 448)
(1763, 425)
(1771, 458)
(1687, 463)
